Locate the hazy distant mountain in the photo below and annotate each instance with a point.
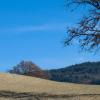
(88, 73)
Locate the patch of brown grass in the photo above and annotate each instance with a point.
(20, 83)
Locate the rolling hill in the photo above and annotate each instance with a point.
(86, 73)
(19, 87)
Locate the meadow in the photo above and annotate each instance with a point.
(19, 87)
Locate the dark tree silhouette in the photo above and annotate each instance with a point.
(87, 32)
(28, 68)
(87, 73)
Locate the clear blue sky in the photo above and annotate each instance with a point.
(34, 30)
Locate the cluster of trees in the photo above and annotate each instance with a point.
(28, 68)
(87, 73)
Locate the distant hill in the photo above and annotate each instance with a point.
(86, 73)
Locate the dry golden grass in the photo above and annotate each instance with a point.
(19, 83)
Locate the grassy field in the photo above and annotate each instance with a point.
(18, 87)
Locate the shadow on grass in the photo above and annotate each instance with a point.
(37, 96)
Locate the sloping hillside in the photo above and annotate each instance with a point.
(17, 86)
(87, 73)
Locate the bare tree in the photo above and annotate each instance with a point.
(87, 32)
(28, 68)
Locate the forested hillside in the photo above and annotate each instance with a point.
(87, 73)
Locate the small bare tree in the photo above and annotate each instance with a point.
(87, 32)
(28, 68)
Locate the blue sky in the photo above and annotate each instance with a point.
(34, 30)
